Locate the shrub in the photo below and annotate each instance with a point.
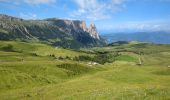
(34, 54)
(8, 48)
(60, 58)
(67, 57)
(52, 55)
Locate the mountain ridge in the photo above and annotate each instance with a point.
(58, 32)
(157, 37)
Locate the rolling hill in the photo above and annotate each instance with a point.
(41, 71)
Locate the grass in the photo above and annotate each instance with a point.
(39, 49)
(113, 83)
(126, 58)
(27, 71)
(74, 69)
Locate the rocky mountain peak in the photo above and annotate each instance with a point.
(9, 18)
(76, 25)
(93, 31)
(83, 26)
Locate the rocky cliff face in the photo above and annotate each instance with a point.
(76, 25)
(93, 31)
(59, 32)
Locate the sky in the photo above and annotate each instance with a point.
(108, 15)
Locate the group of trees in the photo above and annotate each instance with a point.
(100, 58)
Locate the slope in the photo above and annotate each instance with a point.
(28, 73)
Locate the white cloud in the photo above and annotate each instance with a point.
(96, 9)
(32, 2)
(28, 16)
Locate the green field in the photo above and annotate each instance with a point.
(133, 71)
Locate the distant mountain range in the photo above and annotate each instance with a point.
(159, 37)
(58, 32)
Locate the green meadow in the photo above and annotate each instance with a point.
(131, 71)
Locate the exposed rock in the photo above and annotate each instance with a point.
(76, 25)
(83, 26)
(9, 18)
(93, 31)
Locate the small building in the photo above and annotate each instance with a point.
(92, 63)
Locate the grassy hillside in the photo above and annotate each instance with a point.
(131, 71)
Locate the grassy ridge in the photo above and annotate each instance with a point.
(34, 71)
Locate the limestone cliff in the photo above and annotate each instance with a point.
(76, 25)
(93, 31)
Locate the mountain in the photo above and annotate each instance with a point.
(58, 32)
(159, 37)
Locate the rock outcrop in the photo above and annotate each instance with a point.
(76, 25)
(93, 31)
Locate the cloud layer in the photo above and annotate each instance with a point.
(96, 9)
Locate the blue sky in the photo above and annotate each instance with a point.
(108, 15)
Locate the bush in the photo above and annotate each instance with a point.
(60, 58)
(34, 54)
(52, 55)
(8, 48)
(83, 58)
(67, 57)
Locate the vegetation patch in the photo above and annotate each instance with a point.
(100, 58)
(8, 48)
(74, 69)
(162, 72)
(126, 58)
